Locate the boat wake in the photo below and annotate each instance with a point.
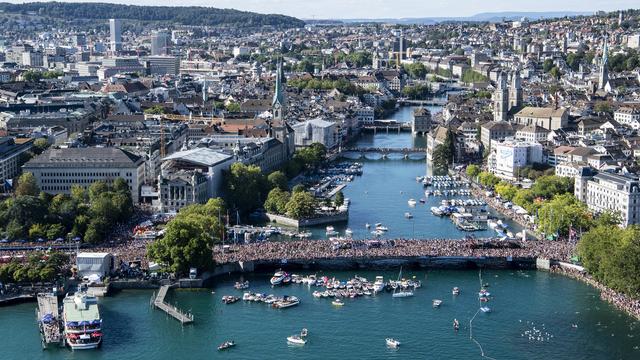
(471, 324)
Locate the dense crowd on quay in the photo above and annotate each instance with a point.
(322, 249)
(621, 301)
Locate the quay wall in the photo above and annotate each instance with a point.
(283, 220)
(422, 262)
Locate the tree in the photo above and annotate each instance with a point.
(276, 202)
(298, 188)
(120, 186)
(561, 213)
(189, 238)
(312, 156)
(473, 171)
(506, 191)
(155, 110)
(487, 179)
(301, 205)
(603, 107)
(443, 155)
(97, 189)
(78, 194)
(555, 73)
(471, 76)
(548, 186)
(416, 71)
(246, 186)
(232, 107)
(278, 179)
(547, 65)
(417, 92)
(40, 145)
(27, 185)
(339, 200)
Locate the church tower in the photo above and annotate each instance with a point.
(515, 90)
(604, 64)
(501, 99)
(277, 106)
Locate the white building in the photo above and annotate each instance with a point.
(240, 50)
(101, 264)
(115, 28)
(611, 192)
(315, 131)
(508, 157)
(546, 117)
(365, 115)
(11, 151)
(628, 116)
(57, 170)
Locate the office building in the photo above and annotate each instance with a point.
(115, 27)
(159, 43)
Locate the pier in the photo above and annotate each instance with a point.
(49, 320)
(171, 310)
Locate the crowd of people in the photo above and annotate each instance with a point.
(621, 301)
(322, 249)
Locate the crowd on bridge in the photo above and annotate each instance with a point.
(397, 248)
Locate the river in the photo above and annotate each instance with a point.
(524, 303)
(380, 195)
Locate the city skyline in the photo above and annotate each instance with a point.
(375, 9)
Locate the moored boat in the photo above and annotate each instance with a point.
(278, 278)
(82, 322)
(226, 345)
(392, 343)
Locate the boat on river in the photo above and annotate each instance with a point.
(226, 345)
(403, 292)
(298, 339)
(437, 303)
(408, 215)
(485, 309)
(378, 285)
(279, 277)
(412, 202)
(286, 302)
(455, 291)
(337, 302)
(241, 285)
(82, 321)
(392, 343)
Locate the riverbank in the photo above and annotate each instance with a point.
(620, 301)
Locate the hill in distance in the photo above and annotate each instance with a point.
(482, 17)
(185, 15)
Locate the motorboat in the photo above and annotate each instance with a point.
(378, 285)
(403, 292)
(310, 280)
(455, 291)
(492, 224)
(484, 293)
(230, 299)
(286, 302)
(337, 302)
(348, 232)
(456, 324)
(423, 200)
(412, 202)
(241, 285)
(437, 303)
(408, 215)
(247, 296)
(226, 345)
(392, 343)
(377, 232)
(278, 277)
(381, 228)
(485, 309)
(298, 339)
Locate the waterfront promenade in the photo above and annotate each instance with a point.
(172, 311)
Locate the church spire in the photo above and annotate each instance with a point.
(278, 97)
(604, 65)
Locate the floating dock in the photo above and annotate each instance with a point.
(171, 310)
(49, 321)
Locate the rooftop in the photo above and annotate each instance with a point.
(85, 157)
(200, 156)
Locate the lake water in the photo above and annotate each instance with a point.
(524, 303)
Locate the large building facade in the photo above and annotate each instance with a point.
(58, 170)
(611, 192)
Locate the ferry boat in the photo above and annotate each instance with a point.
(278, 277)
(82, 322)
(392, 343)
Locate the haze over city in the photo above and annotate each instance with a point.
(360, 9)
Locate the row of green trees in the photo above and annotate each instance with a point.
(417, 92)
(342, 84)
(34, 75)
(39, 267)
(612, 254)
(86, 213)
(299, 204)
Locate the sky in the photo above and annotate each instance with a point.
(363, 9)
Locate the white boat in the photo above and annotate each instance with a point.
(492, 224)
(278, 277)
(408, 215)
(412, 202)
(401, 293)
(241, 285)
(311, 280)
(392, 343)
(82, 322)
(330, 228)
(298, 339)
(287, 301)
(378, 285)
(367, 225)
(437, 303)
(332, 233)
(377, 232)
(455, 291)
(337, 302)
(348, 232)
(382, 228)
(485, 309)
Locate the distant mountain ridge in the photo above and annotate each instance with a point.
(482, 17)
(185, 15)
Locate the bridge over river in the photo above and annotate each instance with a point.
(377, 153)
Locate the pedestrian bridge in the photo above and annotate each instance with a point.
(374, 153)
